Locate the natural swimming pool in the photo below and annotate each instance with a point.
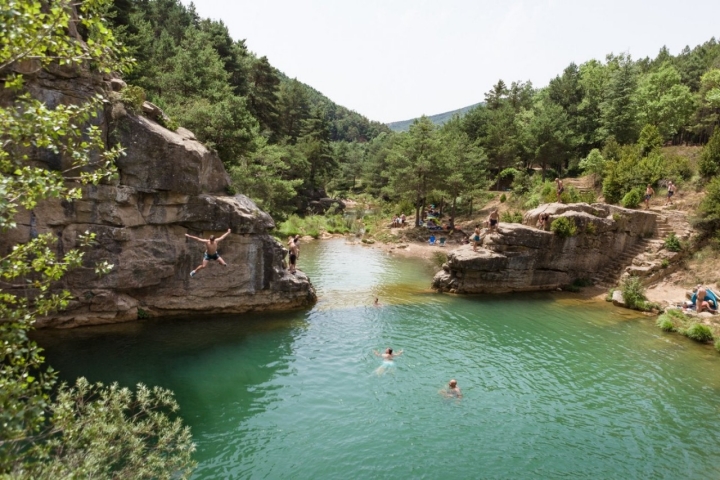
(552, 386)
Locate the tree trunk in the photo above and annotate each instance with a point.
(452, 215)
(442, 204)
(417, 214)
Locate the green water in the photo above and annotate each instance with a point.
(552, 386)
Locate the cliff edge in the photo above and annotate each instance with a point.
(169, 184)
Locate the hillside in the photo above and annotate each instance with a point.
(439, 119)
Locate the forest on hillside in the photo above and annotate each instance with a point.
(282, 141)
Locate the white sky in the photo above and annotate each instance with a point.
(394, 60)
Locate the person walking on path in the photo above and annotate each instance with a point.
(649, 192)
(211, 250)
(671, 191)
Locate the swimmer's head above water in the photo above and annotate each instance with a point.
(453, 383)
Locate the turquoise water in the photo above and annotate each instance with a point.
(552, 386)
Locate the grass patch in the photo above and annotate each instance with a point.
(672, 243)
(439, 258)
(698, 332)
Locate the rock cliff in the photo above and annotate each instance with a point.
(525, 258)
(169, 184)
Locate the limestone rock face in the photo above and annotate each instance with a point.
(169, 185)
(524, 258)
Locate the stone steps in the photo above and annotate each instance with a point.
(612, 273)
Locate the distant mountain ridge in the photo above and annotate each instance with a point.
(439, 119)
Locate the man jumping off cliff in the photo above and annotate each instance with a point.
(211, 251)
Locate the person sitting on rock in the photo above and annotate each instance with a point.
(543, 220)
(211, 250)
(704, 299)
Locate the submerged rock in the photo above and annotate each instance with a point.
(524, 258)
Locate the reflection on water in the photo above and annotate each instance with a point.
(552, 386)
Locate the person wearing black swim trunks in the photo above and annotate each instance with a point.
(649, 192)
(493, 220)
(294, 254)
(671, 191)
(211, 250)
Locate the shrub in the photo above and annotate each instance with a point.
(142, 314)
(672, 243)
(609, 296)
(511, 217)
(709, 164)
(633, 293)
(717, 344)
(503, 198)
(132, 97)
(590, 228)
(665, 263)
(439, 258)
(632, 199)
(699, 333)
(563, 227)
(665, 323)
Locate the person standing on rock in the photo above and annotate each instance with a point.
(476, 238)
(649, 192)
(211, 250)
(559, 189)
(294, 252)
(494, 220)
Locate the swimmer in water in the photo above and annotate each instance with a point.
(388, 356)
(376, 303)
(452, 390)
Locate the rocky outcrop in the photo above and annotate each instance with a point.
(169, 184)
(525, 258)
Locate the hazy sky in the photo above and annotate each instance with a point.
(398, 59)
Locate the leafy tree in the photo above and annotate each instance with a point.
(413, 165)
(72, 433)
(618, 109)
(464, 166)
(663, 102)
(552, 136)
(709, 164)
(294, 109)
(263, 96)
(593, 164)
(267, 177)
(593, 80)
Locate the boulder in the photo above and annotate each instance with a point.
(524, 258)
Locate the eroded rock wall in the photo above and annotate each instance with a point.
(525, 258)
(169, 184)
